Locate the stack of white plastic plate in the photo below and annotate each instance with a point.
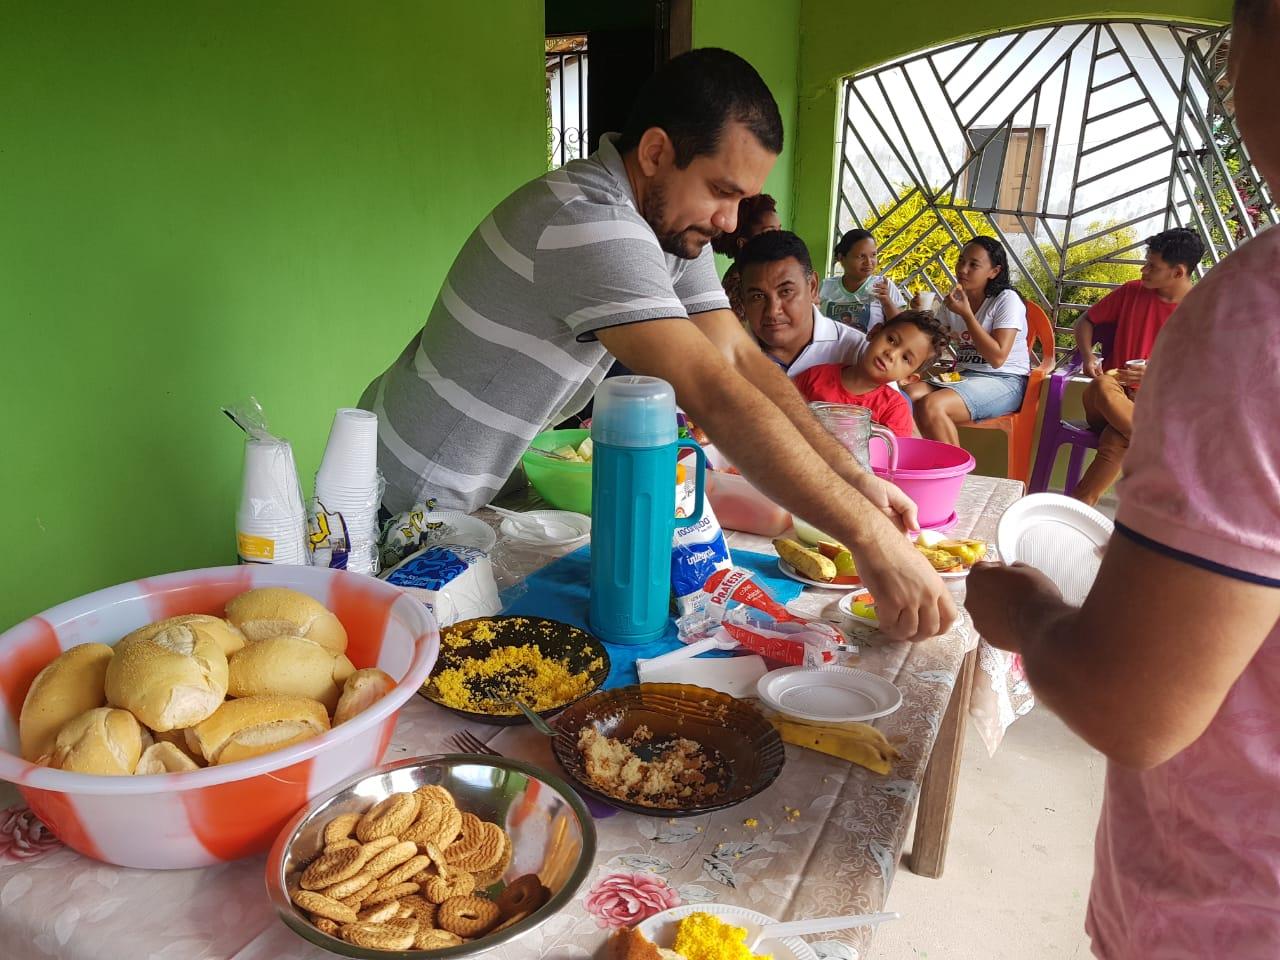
(1062, 538)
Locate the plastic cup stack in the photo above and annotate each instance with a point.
(347, 483)
(271, 524)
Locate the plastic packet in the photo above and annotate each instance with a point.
(732, 603)
(271, 518)
(336, 541)
(453, 582)
(697, 551)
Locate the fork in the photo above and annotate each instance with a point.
(468, 742)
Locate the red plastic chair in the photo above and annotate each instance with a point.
(1020, 427)
(1057, 431)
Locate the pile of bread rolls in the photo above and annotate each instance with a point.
(197, 690)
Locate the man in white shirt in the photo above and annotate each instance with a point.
(780, 297)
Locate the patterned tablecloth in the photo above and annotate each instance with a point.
(824, 839)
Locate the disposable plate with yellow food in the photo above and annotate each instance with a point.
(704, 931)
(446, 856)
(667, 749)
(831, 565)
(487, 664)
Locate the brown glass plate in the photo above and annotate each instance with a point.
(571, 645)
(747, 744)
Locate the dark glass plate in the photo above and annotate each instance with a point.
(747, 749)
(571, 645)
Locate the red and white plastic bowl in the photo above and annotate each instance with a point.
(221, 813)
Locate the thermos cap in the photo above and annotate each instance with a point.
(634, 412)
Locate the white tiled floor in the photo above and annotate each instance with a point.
(1020, 857)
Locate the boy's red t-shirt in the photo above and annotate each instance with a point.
(822, 384)
(1138, 315)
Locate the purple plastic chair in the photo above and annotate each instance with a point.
(1055, 431)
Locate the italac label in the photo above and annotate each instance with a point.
(255, 548)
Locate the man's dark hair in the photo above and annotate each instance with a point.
(996, 254)
(751, 210)
(849, 239)
(1178, 246)
(1252, 12)
(928, 325)
(773, 246)
(694, 95)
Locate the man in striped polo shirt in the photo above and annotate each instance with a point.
(610, 257)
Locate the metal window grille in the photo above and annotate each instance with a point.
(1070, 143)
(566, 99)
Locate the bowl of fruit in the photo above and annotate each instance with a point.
(558, 464)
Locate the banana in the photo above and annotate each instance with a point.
(808, 562)
(858, 743)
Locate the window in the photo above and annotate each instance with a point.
(566, 99)
(1007, 173)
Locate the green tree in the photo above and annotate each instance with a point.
(926, 247)
(1099, 277)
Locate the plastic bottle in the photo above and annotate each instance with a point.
(633, 505)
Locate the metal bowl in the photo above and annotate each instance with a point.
(750, 749)
(551, 832)
(575, 647)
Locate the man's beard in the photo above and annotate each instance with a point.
(686, 244)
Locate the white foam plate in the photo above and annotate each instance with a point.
(795, 574)
(460, 529)
(661, 929)
(580, 523)
(845, 604)
(1062, 538)
(829, 694)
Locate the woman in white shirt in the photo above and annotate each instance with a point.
(988, 324)
(861, 297)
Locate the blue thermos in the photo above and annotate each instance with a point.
(633, 504)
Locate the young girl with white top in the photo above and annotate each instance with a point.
(987, 320)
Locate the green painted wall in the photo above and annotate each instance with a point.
(206, 200)
(834, 43)
(766, 33)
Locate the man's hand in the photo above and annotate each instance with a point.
(1000, 597)
(1130, 377)
(889, 500)
(1092, 366)
(912, 603)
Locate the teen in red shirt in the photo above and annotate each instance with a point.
(1138, 310)
(896, 351)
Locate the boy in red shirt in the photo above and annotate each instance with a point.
(896, 351)
(1138, 311)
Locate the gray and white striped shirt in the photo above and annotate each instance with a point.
(509, 347)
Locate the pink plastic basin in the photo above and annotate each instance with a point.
(221, 813)
(929, 472)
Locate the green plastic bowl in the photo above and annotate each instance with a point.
(565, 485)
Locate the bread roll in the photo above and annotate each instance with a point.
(163, 757)
(178, 737)
(272, 611)
(362, 690)
(227, 636)
(251, 726)
(68, 686)
(288, 666)
(175, 679)
(101, 740)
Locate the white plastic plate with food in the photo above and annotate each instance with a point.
(661, 929)
(857, 605)
(790, 571)
(829, 694)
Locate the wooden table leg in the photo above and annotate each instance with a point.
(938, 791)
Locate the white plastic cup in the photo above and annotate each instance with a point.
(928, 300)
(270, 482)
(351, 455)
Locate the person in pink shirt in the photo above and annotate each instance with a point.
(1172, 666)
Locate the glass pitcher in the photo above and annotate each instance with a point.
(853, 427)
